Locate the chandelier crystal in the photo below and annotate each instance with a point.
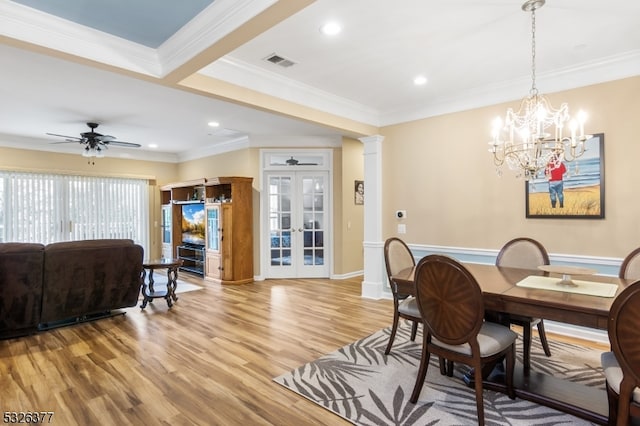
(537, 133)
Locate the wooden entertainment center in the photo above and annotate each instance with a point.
(208, 224)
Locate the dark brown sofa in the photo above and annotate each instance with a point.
(46, 286)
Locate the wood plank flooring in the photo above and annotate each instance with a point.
(209, 360)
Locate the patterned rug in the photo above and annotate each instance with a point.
(362, 385)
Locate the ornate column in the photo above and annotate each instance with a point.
(372, 285)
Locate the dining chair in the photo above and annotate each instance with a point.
(397, 257)
(630, 267)
(452, 311)
(622, 364)
(525, 253)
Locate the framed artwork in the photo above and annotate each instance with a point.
(570, 189)
(358, 189)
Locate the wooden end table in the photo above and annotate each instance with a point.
(149, 292)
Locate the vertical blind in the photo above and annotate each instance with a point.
(46, 208)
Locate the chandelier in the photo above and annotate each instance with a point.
(529, 138)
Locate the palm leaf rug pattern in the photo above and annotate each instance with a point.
(364, 386)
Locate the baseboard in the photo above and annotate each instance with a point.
(584, 333)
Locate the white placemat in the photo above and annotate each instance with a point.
(590, 288)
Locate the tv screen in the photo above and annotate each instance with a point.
(193, 223)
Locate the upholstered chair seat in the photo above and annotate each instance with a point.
(613, 374)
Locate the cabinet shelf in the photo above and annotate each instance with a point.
(192, 259)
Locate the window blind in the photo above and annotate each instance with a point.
(46, 208)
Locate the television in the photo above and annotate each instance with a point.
(193, 224)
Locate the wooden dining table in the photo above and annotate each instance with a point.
(501, 294)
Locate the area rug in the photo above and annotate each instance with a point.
(181, 286)
(362, 385)
(184, 287)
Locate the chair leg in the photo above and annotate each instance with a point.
(443, 365)
(543, 338)
(511, 363)
(479, 398)
(422, 371)
(414, 330)
(526, 349)
(392, 336)
(449, 368)
(612, 398)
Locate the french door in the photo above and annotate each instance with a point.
(298, 220)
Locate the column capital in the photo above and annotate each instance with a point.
(371, 138)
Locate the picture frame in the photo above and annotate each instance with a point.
(358, 192)
(581, 193)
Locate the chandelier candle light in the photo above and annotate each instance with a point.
(523, 139)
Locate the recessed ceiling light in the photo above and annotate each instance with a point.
(330, 28)
(214, 124)
(153, 145)
(420, 80)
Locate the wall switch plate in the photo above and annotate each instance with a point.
(402, 228)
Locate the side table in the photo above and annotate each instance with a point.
(149, 292)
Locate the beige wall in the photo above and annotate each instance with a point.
(352, 225)
(440, 171)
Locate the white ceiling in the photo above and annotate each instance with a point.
(473, 53)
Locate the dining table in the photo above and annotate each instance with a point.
(508, 290)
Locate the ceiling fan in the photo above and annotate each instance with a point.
(94, 143)
(293, 162)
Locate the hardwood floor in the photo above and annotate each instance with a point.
(209, 360)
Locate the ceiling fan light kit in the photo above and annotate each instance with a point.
(94, 143)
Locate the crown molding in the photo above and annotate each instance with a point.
(208, 27)
(611, 68)
(252, 77)
(38, 28)
(246, 75)
(235, 144)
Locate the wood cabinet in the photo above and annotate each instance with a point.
(228, 225)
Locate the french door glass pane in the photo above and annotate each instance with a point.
(280, 220)
(313, 209)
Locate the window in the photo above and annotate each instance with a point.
(46, 208)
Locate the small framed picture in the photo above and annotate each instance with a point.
(359, 192)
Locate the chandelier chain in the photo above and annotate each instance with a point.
(534, 89)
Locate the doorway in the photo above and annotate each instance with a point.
(296, 215)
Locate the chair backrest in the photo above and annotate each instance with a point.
(397, 256)
(624, 333)
(525, 253)
(630, 267)
(449, 299)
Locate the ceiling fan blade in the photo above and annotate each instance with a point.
(67, 141)
(106, 137)
(64, 136)
(121, 143)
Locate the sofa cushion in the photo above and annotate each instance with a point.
(88, 277)
(20, 287)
